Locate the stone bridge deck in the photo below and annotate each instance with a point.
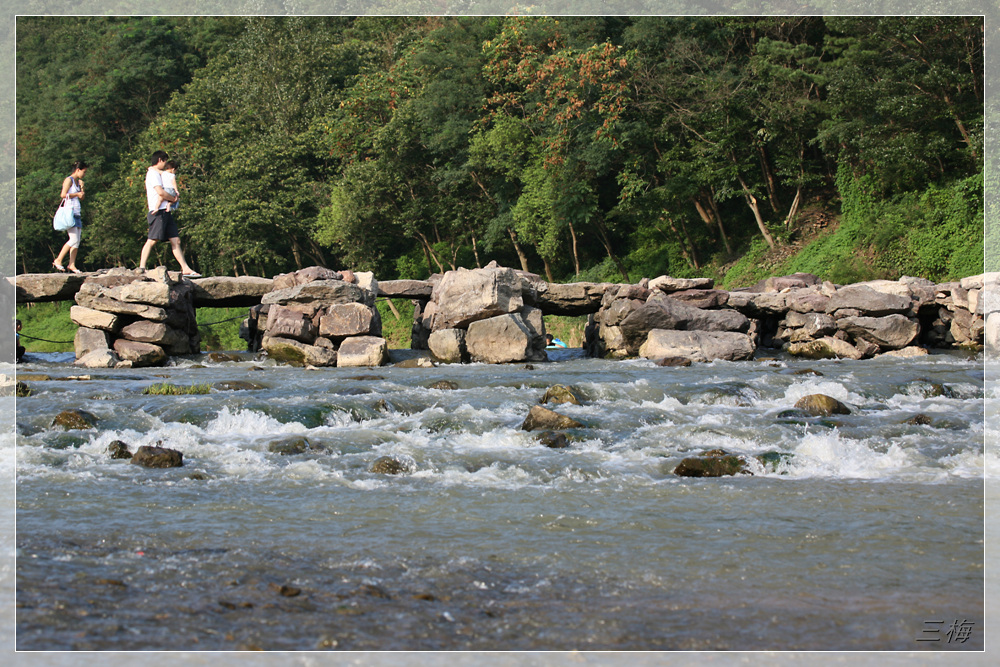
(246, 291)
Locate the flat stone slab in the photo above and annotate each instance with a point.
(230, 292)
(405, 289)
(571, 299)
(36, 287)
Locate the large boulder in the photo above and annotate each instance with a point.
(326, 292)
(94, 319)
(93, 295)
(891, 332)
(697, 345)
(105, 358)
(759, 304)
(448, 345)
(663, 312)
(814, 325)
(869, 301)
(349, 319)
(540, 418)
(504, 339)
(702, 298)
(170, 339)
(140, 354)
(825, 348)
(296, 353)
(466, 296)
(145, 291)
(363, 351)
(285, 322)
(87, 340)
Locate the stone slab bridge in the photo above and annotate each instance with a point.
(320, 317)
(313, 316)
(571, 299)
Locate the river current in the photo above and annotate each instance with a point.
(861, 532)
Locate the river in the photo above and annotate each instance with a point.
(866, 534)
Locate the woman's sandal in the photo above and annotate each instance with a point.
(59, 267)
(74, 269)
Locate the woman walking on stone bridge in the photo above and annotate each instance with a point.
(72, 192)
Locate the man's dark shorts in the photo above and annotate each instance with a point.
(161, 226)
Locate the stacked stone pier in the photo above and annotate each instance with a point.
(319, 317)
(132, 318)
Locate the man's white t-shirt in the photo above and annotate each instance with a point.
(154, 178)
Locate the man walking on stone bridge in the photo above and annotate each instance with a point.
(161, 222)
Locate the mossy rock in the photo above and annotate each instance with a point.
(821, 405)
(387, 465)
(119, 450)
(289, 446)
(74, 419)
(553, 439)
(919, 420)
(540, 418)
(558, 393)
(773, 459)
(220, 357)
(714, 463)
(21, 390)
(158, 457)
(446, 385)
(927, 389)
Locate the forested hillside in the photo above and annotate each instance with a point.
(596, 148)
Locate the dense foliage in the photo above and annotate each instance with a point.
(577, 148)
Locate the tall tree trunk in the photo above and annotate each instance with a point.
(752, 203)
(794, 210)
(429, 251)
(772, 188)
(297, 253)
(576, 255)
(703, 213)
(475, 248)
(316, 253)
(520, 251)
(718, 221)
(687, 247)
(548, 270)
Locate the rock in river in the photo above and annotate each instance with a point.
(158, 457)
(543, 418)
(387, 465)
(74, 419)
(558, 393)
(821, 405)
(714, 463)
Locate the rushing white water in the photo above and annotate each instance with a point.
(852, 533)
